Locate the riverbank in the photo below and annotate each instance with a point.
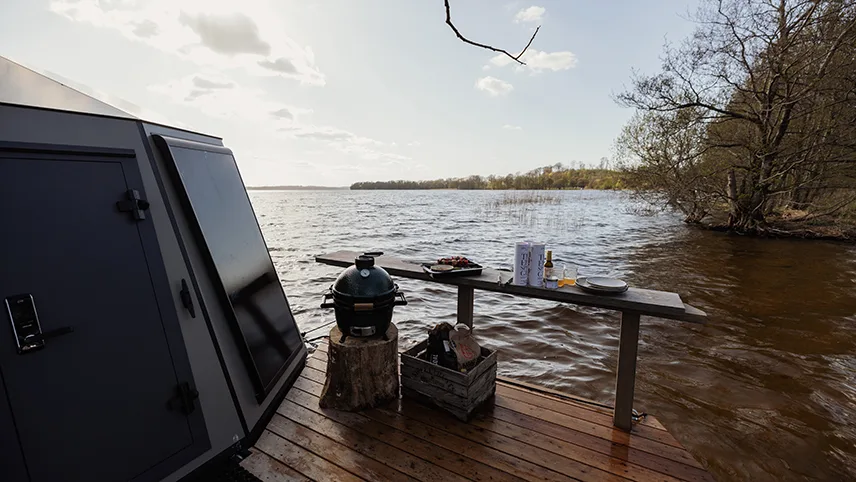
(791, 225)
(552, 177)
(297, 188)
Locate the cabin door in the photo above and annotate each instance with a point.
(109, 396)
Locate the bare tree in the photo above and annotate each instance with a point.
(664, 153)
(772, 83)
(515, 58)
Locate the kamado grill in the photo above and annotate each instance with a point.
(363, 297)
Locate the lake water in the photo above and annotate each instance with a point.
(765, 391)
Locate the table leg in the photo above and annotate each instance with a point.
(628, 344)
(465, 305)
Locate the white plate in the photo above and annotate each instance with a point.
(605, 283)
(584, 285)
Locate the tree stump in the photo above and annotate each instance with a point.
(361, 372)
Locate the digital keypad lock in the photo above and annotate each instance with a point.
(25, 322)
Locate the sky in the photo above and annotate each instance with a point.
(330, 92)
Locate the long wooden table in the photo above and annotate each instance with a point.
(632, 304)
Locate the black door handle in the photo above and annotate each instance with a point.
(41, 337)
(186, 299)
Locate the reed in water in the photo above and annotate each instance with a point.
(526, 197)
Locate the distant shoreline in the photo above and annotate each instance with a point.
(556, 176)
(509, 189)
(349, 188)
(297, 188)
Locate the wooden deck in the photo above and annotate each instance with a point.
(526, 433)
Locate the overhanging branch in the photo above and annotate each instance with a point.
(515, 58)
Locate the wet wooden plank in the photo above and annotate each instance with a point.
(609, 434)
(583, 413)
(641, 466)
(317, 363)
(647, 302)
(302, 460)
(409, 454)
(335, 452)
(486, 456)
(351, 434)
(313, 374)
(600, 442)
(578, 453)
(555, 394)
(638, 451)
(522, 435)
(577, 417)
(269, 469)
(443, 430)
(528, 461)
(570, 399)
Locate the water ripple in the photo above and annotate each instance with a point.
(765, 391)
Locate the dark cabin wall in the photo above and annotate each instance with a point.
(20, 124)
(252, 411)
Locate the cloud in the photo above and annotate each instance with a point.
(145, 28)
(494, 86)
(531, 14)
(222, 35)
(555, 61)
(229, 34)
(512, 128)
(538, 61)
(282, 65)
(218, 96)
(283, 113)
(325, 134)
(209, 83)
(346, 142)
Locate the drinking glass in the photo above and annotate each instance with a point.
(569, 276)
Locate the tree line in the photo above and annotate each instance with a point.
(752, 117)
(556, 176)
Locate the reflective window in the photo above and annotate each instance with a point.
(225, 217)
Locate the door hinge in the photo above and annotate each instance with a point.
(187, 299)
(184, 398)
(133, 204)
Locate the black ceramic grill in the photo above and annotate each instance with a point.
(363, 297)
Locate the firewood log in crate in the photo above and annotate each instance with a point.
(455, 392)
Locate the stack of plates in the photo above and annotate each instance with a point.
(601, 284)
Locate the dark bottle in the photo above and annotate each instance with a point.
(548, 266)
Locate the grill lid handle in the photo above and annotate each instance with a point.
(364, 262)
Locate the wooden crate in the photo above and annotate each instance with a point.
(457, 393)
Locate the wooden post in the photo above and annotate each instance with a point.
(465, 305)
(625, 382)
